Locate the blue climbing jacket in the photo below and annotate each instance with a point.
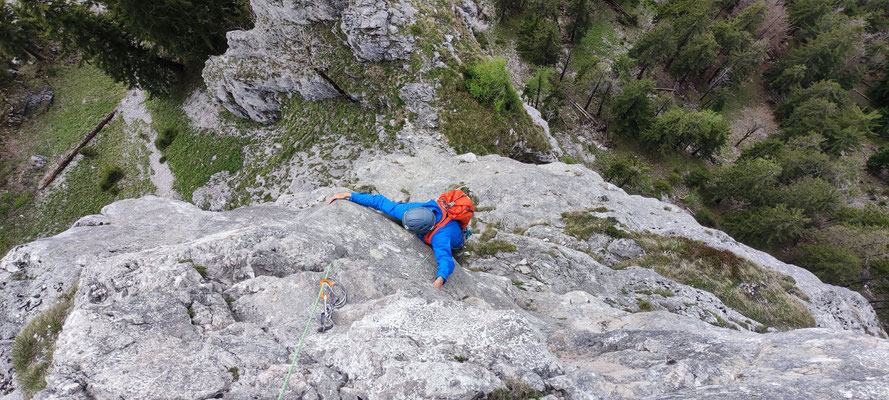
(448, 237)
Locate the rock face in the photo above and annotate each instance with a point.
(175, 302)
(279, 56)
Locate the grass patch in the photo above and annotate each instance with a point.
(201, 270)
(759, 294)
(83, 96)
(235, 373)
(583, 224)
(644, 305)
(33, 347)
(515, 390)
(193, 156)
(664, 292)
(460, 359)
(486, 246)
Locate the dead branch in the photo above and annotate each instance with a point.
(69, 156)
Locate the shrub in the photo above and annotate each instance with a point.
(583, 224)
(767, 226)
(662, 186)
(165, 138)
(110, 177)
(89, 152)
(488, 82)
(878, 162)
(706, 218)
(539, 41)
(513, 390)
(624, 171)
(698, 178)
(868, 216)
(832, 264)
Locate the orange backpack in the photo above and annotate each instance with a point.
(454, 205)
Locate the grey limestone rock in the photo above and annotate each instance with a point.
(175, 302)
(376, 30)
(278, 58)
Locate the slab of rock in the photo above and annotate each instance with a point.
(171, 299)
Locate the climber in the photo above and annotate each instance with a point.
(441, 224)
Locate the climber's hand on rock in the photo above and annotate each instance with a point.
(438, 282)
(339, 196)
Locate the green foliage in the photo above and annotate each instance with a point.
(486, 246)
(583, 19)
(18, 38)
(768, 225)
(832, 264)
(459, 358)
(104, 42)
(488, 82)
(879, 92)
(624, 171)
(864, 217)
(654, 47)
(705, 217)
(191, 30)
(878, 162)
(825, 56)
(165, 138)
(821, 109)
(235, 373)
(695, 56)
(704, 132)
(32, 350)
(110, 177)
(698, 178)
(663, 186)
(539, 84)
(539, 41)
(812, 195)
(746, 181)
(631, 111)
(583, 224)
(201, 270)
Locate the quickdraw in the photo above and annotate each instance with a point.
(334, 298)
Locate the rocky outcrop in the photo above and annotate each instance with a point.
(279, 58)
(376, 30)
(176, 302)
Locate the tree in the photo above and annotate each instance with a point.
(879, 92)
(631, 111)
(18, 38)
(654, 47)
(812, 195)
(678, 129)
(190, 30)
(746, 181)
(102, 41)
(751, 18)
(506, 7)
(624, 171)
(832, 264)
(488, 81)
(804, 15)
(539, 41)
(829, 55)
(767, 226)
(695, 57)
(537, 84)
(583, 19)
(878, 162)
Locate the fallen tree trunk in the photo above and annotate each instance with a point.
(63, 163)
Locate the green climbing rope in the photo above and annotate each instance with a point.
(417, 266)
(305, 331)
